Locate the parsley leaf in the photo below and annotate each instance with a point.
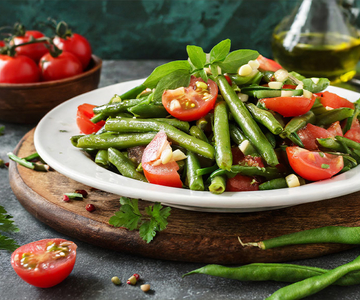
(130, 217)
(7, 225)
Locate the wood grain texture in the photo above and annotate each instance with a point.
(190, 236)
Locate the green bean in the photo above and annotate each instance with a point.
(315, 284)
(333, 115)
(197, 132)
(182, 125)
(348, 142)
(112, 109)
(272, 271)
(248, 125)
(268, 172)
(102, 158)
(124, 165)
(238, 137)
(218, 185)
(27, 164)
(276, 183)
(294, 137)
(328, 234)
(223, 154)
(132, 93)
(331, 143)
(142, 125)
(297, 123)
(265, 118)
(148, 110)
(354, 116)
(195, 181)
(250, 79)
(207, 170)
(111, 139)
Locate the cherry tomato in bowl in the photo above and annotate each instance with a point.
(18, 69)
(314, 165)
(44, 263)
(192, 102)
(63, 66)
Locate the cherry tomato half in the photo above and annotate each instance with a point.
(44, 263)
(77, 45)
(83, 116)
(63, 66)
(354, 132)
(162, 174)
(242, 183)
(34, 51)
(332, 100)
(18, 69)
(192, 102)
(267, 64)
(314, 165)
(289, 106)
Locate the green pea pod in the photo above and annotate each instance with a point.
(333, 115)
(124, 165)
(223, 154)
(273, 272)
(265, 118)
(248, 125)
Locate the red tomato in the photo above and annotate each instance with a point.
(240, 159)
(242, 183)
(310, 133)
(162, 174)
(2, 44)
(267, 64)
(77, 45)
(354, 132)
(84, 114)
(314, 165)
(34, 51)
(18, 69)
(332, 100)
(41, 263)
(63, 66)
(289, 106)
(190, 103)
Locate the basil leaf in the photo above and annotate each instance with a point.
(172, 81)
(315, 87)
(214, 69)
(197, 56)
(165, 70)
(234, 60)
(219, 51)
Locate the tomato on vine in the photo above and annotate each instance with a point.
(18, 69)
(73, 42)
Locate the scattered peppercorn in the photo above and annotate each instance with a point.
(90, 207)
(137, 276)
(145, 287)
(116, 280)
(132, 280)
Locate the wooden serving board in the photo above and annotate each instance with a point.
(190, 236)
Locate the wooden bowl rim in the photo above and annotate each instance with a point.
(44, 84)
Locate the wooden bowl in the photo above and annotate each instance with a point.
(28, 103)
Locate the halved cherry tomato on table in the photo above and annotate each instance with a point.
(289, 106)
(192, 102)
(314, 165)
(267, 64)
(44, 263)
(63, 66)
(18, 69)
(83, 116)
(36, 50)
(332, 100)
(310, 133)
(155, 171)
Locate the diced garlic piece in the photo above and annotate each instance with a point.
(178, 155)
(315, 80)
(243, 146)
(166, 156)
(307, 94)
(300, 86)
(281, 75)
(207, 71)
(254, 64)
(245, 70)
(329, 108)
(292, 180)
(276, 85)
(174, 104)
(157, 162)
(287, 93)
(243, 97)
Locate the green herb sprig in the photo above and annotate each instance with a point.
(130, 217)
(6, 226)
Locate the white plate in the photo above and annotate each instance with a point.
(52, 142)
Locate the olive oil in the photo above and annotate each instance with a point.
(330, 55)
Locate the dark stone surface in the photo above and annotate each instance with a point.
(91, 277)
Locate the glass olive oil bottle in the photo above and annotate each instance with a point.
(318, 40)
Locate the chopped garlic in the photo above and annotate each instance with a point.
(307, 94)
(254, 64)
(174, 104)
(281, 75)
(178, 155)
(243, 146)
(276, 85)
(245, 70)
(243, 97)
(166, 156)
(287, 93)
(292, 180)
